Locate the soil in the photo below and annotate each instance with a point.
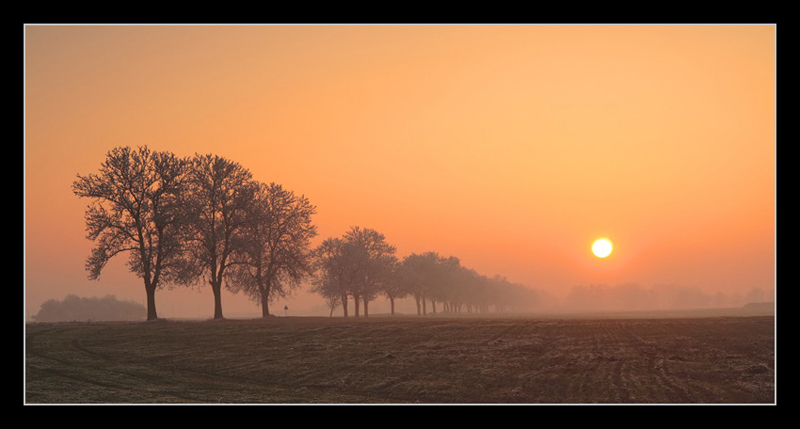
(404, 359)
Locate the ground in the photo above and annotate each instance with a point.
(405, 359)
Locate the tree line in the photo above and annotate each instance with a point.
(74, 308)
(204, 220)
(361, 266)
(200, 219)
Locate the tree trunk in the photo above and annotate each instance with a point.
(357, 302)
(344, 304)
(366, 307)
(391, 300)
(265, 290)
(264, 304)
(151, 302)
(217, 288)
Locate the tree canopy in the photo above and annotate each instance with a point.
(275, 254)
(217, 198)
(357, 265)
(135, 209)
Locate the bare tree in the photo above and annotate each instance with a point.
(275, 255)
(419, 272)
(333, 302)
(218, 195)
(135, 209)
(447, 279)
(372, 264)
(359, 264)
(395, 287)
(333, 272)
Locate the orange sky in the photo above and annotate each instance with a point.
(510, 147)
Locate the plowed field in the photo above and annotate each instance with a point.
(715, 360)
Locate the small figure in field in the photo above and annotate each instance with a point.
(286, 310)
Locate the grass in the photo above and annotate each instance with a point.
(399, 360)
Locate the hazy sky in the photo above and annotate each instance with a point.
(511, 147)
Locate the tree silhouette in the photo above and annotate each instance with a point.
(448, 277)
(332, 272)
(372, 259)
(216, 201)
(419, 273)
(359, 264)
(135, 209)
(275, 253)
(395, 288)
(443, 280)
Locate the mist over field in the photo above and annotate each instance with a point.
(595, 298)
(580, 299)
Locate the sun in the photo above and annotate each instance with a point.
(602, 247)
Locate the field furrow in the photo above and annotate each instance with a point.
(404, 360)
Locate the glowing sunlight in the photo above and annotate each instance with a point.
(602, 248)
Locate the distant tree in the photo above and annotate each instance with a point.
(409, 275)
(218, 195)
(333, 272)
(357, 265)
(275, 254)
(135, 209)
(420, 274)
(395, 287)
(74, 308)
(472, 291)
(332, 302)
(449, 276)
(755, 295)
(372, 261)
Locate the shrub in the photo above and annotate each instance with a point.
(74, 308)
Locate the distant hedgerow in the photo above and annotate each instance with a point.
(74, 308)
